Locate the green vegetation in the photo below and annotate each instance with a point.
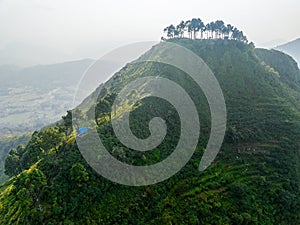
(292, 48)
(254, 180)
(282, 63)
(7, 143)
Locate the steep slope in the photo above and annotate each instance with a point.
(254, 180)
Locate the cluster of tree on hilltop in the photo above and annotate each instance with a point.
(213, 30)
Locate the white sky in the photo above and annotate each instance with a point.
(61, 30)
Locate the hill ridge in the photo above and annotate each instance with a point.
(254, 180)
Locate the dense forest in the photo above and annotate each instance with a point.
(254, 180)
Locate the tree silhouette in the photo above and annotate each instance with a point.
(196, 25)
(181, 28)
(219, 26)
(170, 31)
(188, 26)
(212, 30)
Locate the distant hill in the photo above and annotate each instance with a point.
(254, 180)
(292, 48)
(26, 54)
(67, 72)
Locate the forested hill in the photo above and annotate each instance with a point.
(254, 180)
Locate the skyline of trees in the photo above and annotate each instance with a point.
(197, 29)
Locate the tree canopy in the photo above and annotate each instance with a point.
(197, 29)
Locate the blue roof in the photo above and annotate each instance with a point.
(82, 130)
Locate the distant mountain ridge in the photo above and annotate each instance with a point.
(291, 48)
(70, 71)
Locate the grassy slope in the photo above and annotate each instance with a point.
(255, 179)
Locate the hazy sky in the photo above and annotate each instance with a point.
(47, 31)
